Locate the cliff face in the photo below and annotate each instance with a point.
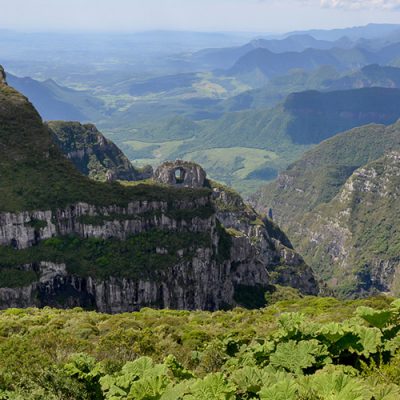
(305, 203)
(66, 240)
(93, 154)
(211, 271)
(353, 240)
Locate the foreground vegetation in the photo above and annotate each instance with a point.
(306, 348)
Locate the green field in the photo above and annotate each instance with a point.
(152, 153)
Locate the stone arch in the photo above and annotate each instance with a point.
(179, 175)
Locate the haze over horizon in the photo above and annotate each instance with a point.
(270, 16)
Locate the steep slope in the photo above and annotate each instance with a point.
(55, 102)
(319, 116)
(321, 172)
(371, 75)
(355, 240)
(338, 230)
(66, 240)
(93, 154)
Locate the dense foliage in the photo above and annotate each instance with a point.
(310, 348)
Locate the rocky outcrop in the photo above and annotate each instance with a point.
(198, 284)
(93, 154)
(181, 174)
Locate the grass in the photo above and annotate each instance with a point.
(236, 161)
(150, 153)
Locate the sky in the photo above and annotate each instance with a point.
(272, 16)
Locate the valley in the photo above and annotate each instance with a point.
(154, 116)
(199, 215)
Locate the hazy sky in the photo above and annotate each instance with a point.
(205, 15)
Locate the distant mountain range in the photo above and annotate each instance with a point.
(369, 31)
(246, 121)
(224, 58)
(58, 102)
(258, 66)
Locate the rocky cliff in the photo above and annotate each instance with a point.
(66, 240)
(355, 239)
(93, 154)
(338, 205)
(175, 255)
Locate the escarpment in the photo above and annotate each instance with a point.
(354, 238)
(67, 240)
(339, 205)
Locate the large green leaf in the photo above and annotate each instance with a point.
(291, 323)
(376, 318)
(138, 367)
(297, 356)
(385, 392)
(248, 380)
(148, 388)
(212, 387)
(286, 389)
(334, 385)
(177, 392)
(370, 340)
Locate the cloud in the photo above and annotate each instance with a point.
(362, 4)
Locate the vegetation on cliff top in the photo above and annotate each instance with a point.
(36, 176)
